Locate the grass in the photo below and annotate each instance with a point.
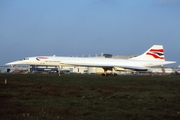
(89, 97)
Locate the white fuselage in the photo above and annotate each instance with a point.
(152, 57)
(93, 62)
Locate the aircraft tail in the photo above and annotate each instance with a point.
(155, 53)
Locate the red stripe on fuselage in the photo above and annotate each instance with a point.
(41, 57)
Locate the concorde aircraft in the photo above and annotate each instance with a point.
(152, 57)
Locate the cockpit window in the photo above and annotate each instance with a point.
(26, 58)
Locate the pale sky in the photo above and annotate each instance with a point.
(83, 27)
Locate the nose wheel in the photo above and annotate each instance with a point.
(59, 70)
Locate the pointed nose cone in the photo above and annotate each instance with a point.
(14, 63)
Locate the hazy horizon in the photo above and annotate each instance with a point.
(83, 27)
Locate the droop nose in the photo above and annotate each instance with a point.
(14, 63)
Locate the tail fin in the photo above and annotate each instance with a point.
(156, 52)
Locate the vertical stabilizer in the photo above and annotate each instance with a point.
(156, 53)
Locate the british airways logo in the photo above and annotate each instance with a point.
(41, 57)
(156, 53)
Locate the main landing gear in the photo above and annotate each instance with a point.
(108, 74)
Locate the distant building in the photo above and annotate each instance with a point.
(6, 69)
(45, 68)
